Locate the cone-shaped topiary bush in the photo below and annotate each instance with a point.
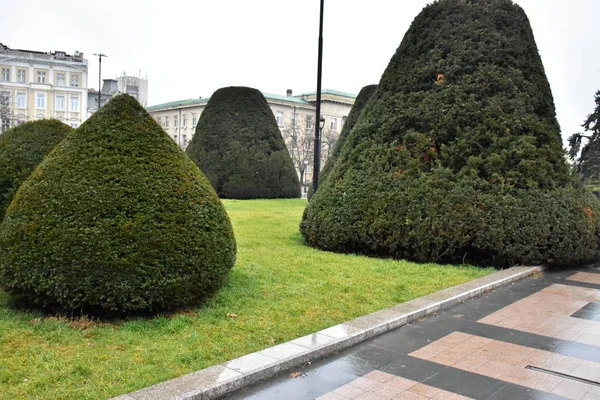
(116, 219)
(238, 146)
(359, 104)
(458, 155)
(22, 149)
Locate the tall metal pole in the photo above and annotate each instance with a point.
(100, 55)
(317, 161)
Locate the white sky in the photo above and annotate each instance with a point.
(191, 48)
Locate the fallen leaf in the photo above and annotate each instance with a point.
(232, 315)
(295, 374)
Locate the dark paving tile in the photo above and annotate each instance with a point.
(465, 383)
(589, 315)
(369, 358)
(590, 311)
(413, 368)
(318, 378)
(579, 284)
(513, 392)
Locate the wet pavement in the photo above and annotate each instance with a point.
(538, 338)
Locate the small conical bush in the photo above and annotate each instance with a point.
(116, 219)
(458, 155)
(22, 149)
(239, 147)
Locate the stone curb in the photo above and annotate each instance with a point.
(218, 380)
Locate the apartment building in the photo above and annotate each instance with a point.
(36, 85)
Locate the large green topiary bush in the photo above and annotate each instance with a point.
(240, 148)
(21, 150)
(116, 219)
(458, 155)
(359, 104)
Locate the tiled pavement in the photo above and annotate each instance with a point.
(535, 339)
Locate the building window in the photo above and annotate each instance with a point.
(175, 121)
(279, 118)
(21, 100)
(60, 103)
(159, 120)
(21, 75)
(184, 121)
(166, 122)
(74, 104)
(60, 79)
(41, 77)
(74, 124)
(194, 121)
(6, 74)
(74, 80)
(295, 120)
(40, 101)
(184, 137)
(333, 125)
(309, 122)
(344, 121)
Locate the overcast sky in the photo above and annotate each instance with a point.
(189, 49)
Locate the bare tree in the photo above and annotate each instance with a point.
(299, 138)
(6, 115)
(328, 140)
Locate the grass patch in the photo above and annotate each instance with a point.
(280, 289)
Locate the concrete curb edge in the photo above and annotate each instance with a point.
(218, 380)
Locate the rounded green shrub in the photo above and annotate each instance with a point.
(458, 156)
(22, 149)
(116, 219)
(239, 147)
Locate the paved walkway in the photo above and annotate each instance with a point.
(538, 338)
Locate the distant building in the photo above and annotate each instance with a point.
(134, 86)
(295, 116)
(36, 85)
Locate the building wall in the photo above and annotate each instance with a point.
(58, 80)
(134, 86)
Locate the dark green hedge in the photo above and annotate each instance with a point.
(458, 155)
(21, 150)
(359, 104)
(239, 147)
(116, 219)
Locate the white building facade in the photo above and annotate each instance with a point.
(37, 85)
(295, 116)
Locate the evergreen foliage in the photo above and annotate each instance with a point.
(116, 219)
(359, 104)
(22, 148)
(587, 162)
(239, 147)
(457, 157)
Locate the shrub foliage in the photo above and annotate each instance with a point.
(458, 155)
(21, 150)
(239, 147)
(359, 104)
(116, 219)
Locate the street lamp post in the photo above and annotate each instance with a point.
(317, 162)
(100, 55)
(305, 181)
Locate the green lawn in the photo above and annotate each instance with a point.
(279, 290)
